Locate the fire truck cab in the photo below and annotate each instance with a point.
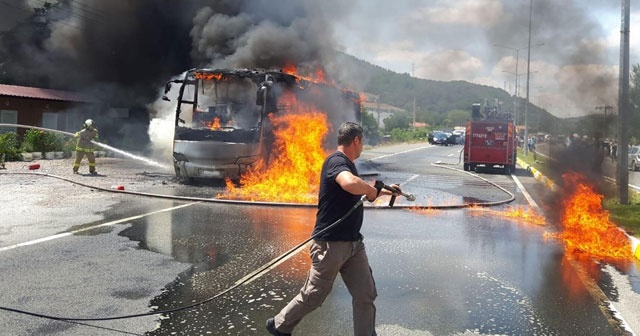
(490, 141)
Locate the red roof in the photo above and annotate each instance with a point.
(38, 93)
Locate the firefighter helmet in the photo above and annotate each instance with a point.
(88, 123)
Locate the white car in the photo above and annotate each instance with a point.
(634, 158)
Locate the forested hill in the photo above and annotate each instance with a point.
(434, 99)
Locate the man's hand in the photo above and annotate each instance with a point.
(396, 192)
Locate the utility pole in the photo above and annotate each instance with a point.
(526, 105)
(413, 73)
(622, 175)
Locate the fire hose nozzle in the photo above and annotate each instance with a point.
(381, 185)
(409, 197)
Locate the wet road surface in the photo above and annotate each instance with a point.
(438, 272)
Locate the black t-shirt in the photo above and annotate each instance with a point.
(334, 202)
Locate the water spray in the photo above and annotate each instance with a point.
(105, 146)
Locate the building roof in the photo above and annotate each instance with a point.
(39, 93)
(381, 106)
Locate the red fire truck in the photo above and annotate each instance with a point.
(490, 141)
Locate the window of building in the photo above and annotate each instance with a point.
(50, 120)
(8, 117)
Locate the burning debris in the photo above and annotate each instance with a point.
(586, 227)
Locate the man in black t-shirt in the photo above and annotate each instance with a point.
(338, 249)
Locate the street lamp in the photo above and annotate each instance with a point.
(515, 97)
(517, 50)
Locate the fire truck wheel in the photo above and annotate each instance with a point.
(466, 167)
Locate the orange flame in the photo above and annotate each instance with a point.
(587, 227)
(208, 76)
(528, 215)
(318, 75)
(213, 125)
(293, 174)
(518, 213)
(289, 69)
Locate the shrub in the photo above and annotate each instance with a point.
(41, 141)
(9, 146)
(69, 145)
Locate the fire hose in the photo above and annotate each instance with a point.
(255, 274)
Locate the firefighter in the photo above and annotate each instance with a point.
(85, 147)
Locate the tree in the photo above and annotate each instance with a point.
(401, 120)
(634, 97)
(458, 118)
(370, 128)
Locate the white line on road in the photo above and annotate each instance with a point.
(526, 195)
(407, 151)
(66, 234)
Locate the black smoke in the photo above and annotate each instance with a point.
(121, 52)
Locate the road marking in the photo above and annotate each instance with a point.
(612, 180)
(66, 234)
(407, 151)
(526, 195)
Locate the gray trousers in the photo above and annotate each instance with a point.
(330, 258)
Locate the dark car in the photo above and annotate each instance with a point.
(440, 138)
(431, 136)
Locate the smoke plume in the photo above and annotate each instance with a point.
(121, 52)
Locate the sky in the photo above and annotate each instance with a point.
(574, 63)
(575, 45)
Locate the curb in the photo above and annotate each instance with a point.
(537, 175)
(635, 242)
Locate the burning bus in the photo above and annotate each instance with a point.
(222, 118)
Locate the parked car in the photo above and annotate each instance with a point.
(456, 138)
(440, 138)
(634, 158)
(431, 136)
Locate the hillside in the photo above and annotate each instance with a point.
(435, 99)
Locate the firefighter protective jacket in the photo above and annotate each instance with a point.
(84, 139)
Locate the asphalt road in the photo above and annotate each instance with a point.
(76, 251)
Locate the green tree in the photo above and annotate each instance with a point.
(400, 120)
(634, 97)
(372, 134)
(458, 118)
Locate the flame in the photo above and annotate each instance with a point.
(318, 75)
(289, 69)
(520, 214)
(208, 76)
(213, 125)
(586, 225)
(528, 215)
(293, 174)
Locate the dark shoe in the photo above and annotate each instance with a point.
(93, 173)
(271, 328)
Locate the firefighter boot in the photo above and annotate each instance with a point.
(271, 328)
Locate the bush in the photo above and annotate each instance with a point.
(9, 146)
(69, 145)
(41, 141)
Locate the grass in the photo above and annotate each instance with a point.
(626, 216)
